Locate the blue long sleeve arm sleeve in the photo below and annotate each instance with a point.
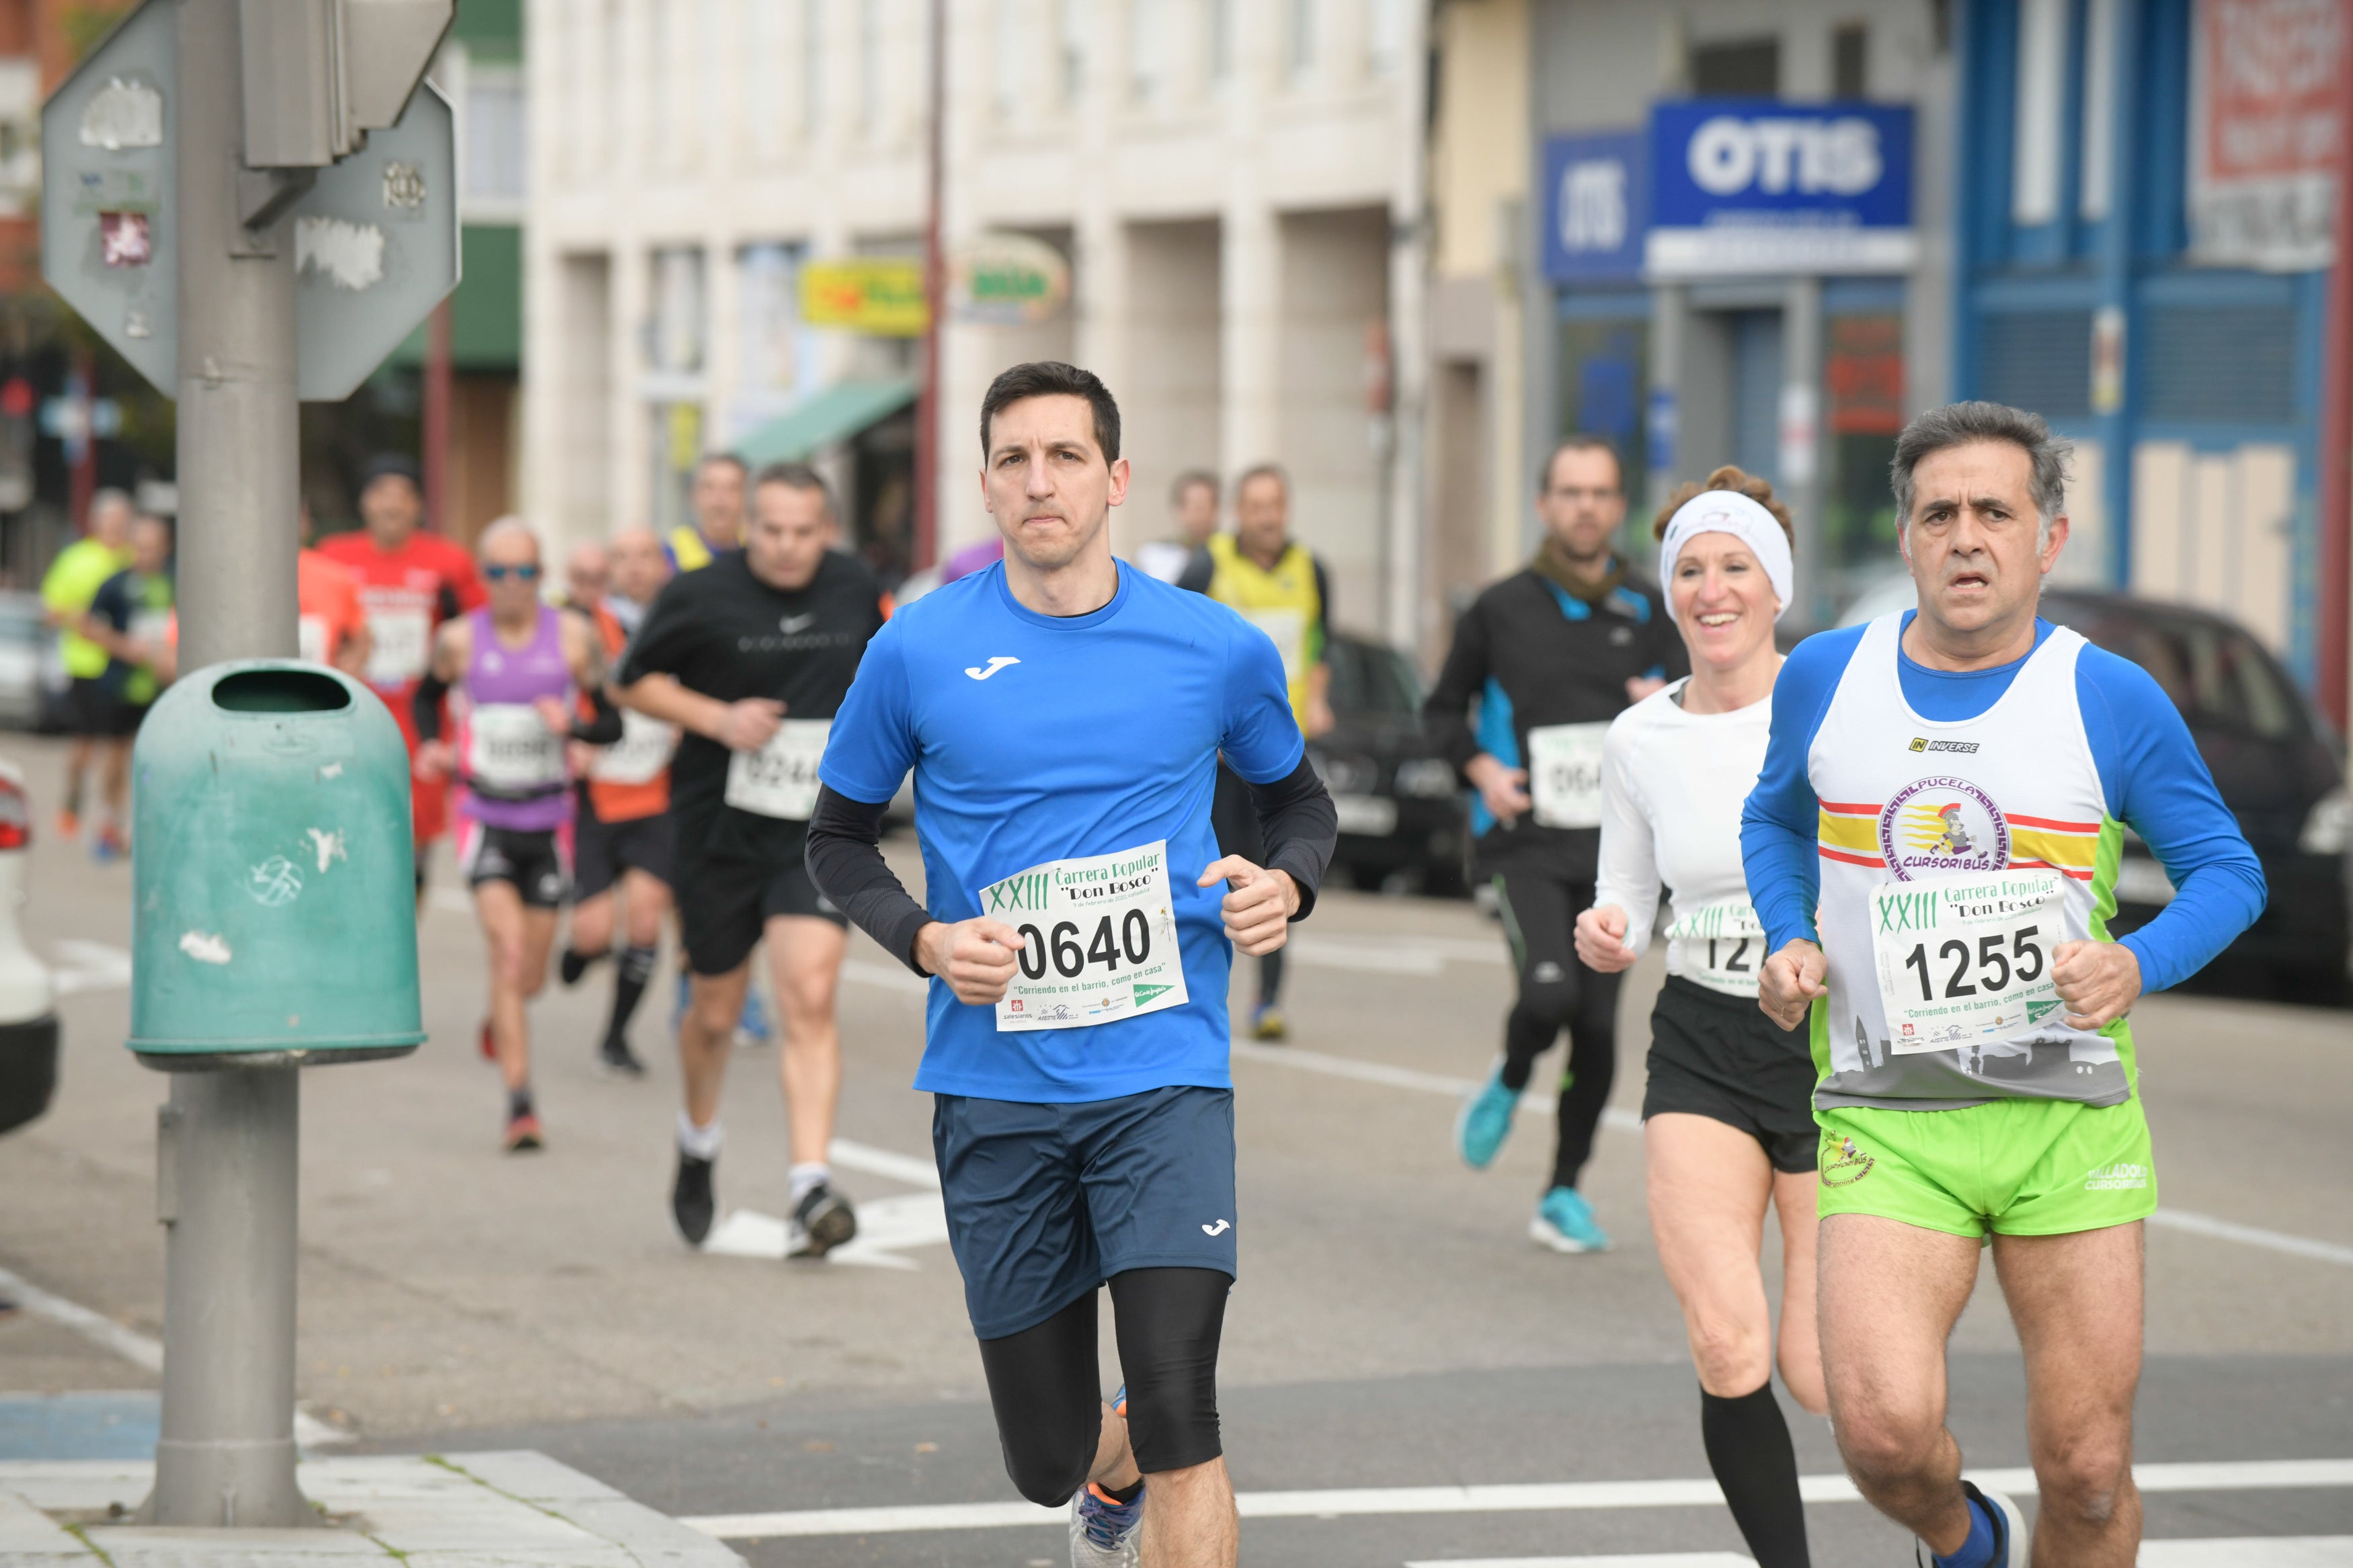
(1778, 823)
(2156, 783)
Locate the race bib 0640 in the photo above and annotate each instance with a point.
(1967, 959)
(1565, 774)
(1098, 940)
(780, 778)
(1721, 946)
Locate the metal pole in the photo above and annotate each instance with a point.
(227, 1154)
(2336, 461)
(435, 432)
(927, 396)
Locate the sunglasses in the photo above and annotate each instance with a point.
(501, 574)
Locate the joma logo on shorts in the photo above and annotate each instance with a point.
(2116, 1177)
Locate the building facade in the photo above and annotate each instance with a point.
(1235, 186)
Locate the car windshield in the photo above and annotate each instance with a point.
(1369, 678)
(2215, 674)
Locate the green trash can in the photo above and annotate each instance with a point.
(273, 917)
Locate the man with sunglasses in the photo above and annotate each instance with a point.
(750, 657)
(411, 582)
(521, 668)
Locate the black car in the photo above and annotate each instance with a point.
(2278, 766)
(1402, 819)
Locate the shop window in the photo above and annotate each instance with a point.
(1605, 383)
(2040, 360)
(1850, 60)
(1863, 374)
(1742, 68)
(2225, 363)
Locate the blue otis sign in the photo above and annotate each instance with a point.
(1597, 202)
(1743, 185)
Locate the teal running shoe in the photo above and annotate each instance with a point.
(1565, 1222)
(752, 1030)
(1485, 1121)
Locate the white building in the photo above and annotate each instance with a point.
(1236, 184)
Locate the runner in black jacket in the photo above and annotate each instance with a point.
(1550, 655)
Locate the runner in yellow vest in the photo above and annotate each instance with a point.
(717, 498)
(1280, 588)
(73, 580)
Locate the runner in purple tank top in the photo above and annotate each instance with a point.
(521, 667)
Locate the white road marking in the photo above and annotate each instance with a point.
(1538, 1104)
(885, 1226)
(137, 1349)
(1658, 1559)
(2255, 1475)
(2251, 1552)
(876, 1161)
(85, 966)
(885, 977)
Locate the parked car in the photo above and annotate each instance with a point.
(28, 1020)
(27, 651)
(2280, 769)
(1403, 823)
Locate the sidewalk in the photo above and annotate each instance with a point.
(460, 1511)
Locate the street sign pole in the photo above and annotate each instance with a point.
(228, 1142)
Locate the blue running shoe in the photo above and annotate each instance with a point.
(678, 1007)
(1485, 1121)
(1565, 1222)
(1104, 1533)
(2011, 1542)
(751, 1028)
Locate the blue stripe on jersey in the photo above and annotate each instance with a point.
(2150, 772)
(1499, 739)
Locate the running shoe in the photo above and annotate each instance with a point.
(70, 824)
(1104, 1533)
(692, 1204)
(822, 1221)
(489, 1043)
(1268, 1024)
(2011, 1544)
(1485, 1121)
(523, 1136)
(109, 846)
(616, 1057)
(570, 965)
(751, 1028)
(678, 1003)
(1565, 1222)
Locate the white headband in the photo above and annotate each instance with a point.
(1728, 511)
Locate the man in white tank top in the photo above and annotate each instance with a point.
(1932, 848)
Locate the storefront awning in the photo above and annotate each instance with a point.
(840, 412)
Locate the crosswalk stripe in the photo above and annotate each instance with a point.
(2246, 1475)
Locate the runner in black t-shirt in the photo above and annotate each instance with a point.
(750, 658)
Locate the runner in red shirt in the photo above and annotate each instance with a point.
(409, 582)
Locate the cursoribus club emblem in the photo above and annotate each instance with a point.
(1935, 826)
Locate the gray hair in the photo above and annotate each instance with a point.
(1958, 425)
(508, 527)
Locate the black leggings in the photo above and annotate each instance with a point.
(1047, 1389)
(1556, 991)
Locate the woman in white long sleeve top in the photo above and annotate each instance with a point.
(1727, 1117)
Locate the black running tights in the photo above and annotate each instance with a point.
(1047, 1388)
(1556, 992)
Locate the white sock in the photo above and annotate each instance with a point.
(702, 1142)
(808, 1174)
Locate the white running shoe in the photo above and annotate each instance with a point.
(1105, 1534)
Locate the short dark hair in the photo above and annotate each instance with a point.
(1262, 471)
(1189, 479)
(793, 477)
(1960, 424)
(732, 459)
(1052, 378)
(1582, 441)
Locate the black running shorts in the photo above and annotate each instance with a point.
(534, 864)
(1719, 1056)
(603, 850)
(725, 900)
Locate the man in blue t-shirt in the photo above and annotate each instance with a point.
(1063, 715)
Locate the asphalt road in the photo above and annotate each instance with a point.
(1393, 1328)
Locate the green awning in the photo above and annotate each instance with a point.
(845, 409)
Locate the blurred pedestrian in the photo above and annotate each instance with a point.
(1282, 589)
(66, 588)
(131, 619)
(1193, 510)
(1551, 654)
(716, 496)
(1727, 1115)
(333, 624)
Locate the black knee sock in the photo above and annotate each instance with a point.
(574, 964)
(1269, 979)
(1749, 1450)
(518, 1102)
(637, 967)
